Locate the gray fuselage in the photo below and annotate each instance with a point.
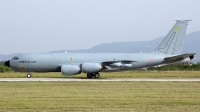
(52, 62)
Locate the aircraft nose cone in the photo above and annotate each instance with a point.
(7, 63)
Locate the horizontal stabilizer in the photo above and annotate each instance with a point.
(180, 57)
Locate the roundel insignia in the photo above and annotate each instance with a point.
(70, 59)
(151, 60)
(176, 28)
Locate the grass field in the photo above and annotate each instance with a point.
(125, 74)
(100, 96)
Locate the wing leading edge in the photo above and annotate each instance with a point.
(117, 63)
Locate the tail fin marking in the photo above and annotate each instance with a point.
(173, 41)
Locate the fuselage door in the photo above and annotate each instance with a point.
(22, 68)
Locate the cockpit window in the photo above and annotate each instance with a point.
(15, 58)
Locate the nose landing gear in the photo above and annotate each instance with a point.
(29, 75)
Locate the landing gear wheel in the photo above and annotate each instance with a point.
(29, 75)
(96, 75)
(89, 75)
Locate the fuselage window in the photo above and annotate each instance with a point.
(27, 61)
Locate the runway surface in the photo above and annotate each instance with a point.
(104, 80)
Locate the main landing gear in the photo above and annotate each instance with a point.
(29, 75)
(95, 75)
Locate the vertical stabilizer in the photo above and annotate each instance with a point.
(172, 44)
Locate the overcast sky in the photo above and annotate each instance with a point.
(33, 26)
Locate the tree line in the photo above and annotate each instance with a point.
(4, 68)
(178, 67)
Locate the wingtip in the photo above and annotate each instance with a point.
(183, 20)
(179, 20)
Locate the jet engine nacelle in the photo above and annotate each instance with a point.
(91, 67)
(70, 69)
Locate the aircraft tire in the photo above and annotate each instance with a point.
(89, 75)
(96, 75)
(29, 75)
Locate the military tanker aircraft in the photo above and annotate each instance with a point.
(169, 51)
